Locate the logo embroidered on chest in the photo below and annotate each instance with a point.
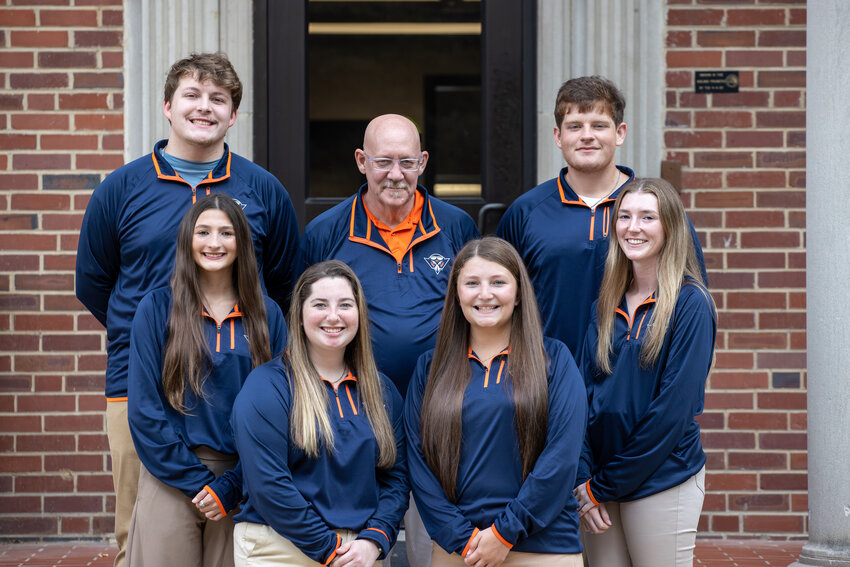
(437, 262)
(240, 203)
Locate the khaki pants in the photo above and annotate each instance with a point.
(258, 545)
(657, 530)
(416, 538)
(441, 558)
(125, 472)
(167, 529)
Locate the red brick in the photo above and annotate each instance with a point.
(726, 38)
(770, 239)
(710, 420)
(61, 303)
(95, 483)
(42, 201)
(731, 481)
(692, 100)
(38, 80)
(43, 483)
(678, 119)
(754, 139)
(97, 38)
(782, 38)
(91, 403)
(727, 401)
(47, 383)
(755, 18)
(35, 121)
(44, 322)
(706, 219)
(755, 179)
(18, 464)
(749, 58)
(732, 280)
(91, 363)
(69, 18)
(45, 443)
(73, 423)
(741, 99)
(759, 502)
(68, 142)
(771, 79)
(783, 320)
(751, 460)
(771, 421)
(15, 384)
(733, 319)
(100, 161)
(18, 302)
(799, 461)
(692, 17)
(16, 59)
(783, 441)
(797, 179)
(113, 17)
(28, 525)
(723, 119)
(721, 523)
(786, 481)
(18, 342)
(797, 300)
(724, 199)
(76, 342)
(679, 38)
(66, 59)
(41, 101)
(54, 282)
(61, 222)
(73, 504)
(675, 139)
(41, 161)
(113, 142)
(86, 383)
(800, 502)
(22, 18)
(694, 58)
(112, 59)
(44, 363)
(755, 218)
(796, 139)
(74, 525)
(20, 424)
(68, 243)
(11, 102)
(86, 322)
(69, 182)
(39, 39)
(723, 159)
(83, 101)
(702, 180)
(795, 58)
(786, 199)
(99, 122)
(728, 440)
(76, 462)
(782, 400)
(98, 80)
(734, 360)
(783, 119)
(755, 300)
(18, 222)
(784, 279)
(781, 159)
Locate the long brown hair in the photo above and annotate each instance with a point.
(188, 359)
(676, 260)
(310, 425)
(441, 420)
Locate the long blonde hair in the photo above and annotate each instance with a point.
(310, 425)
(677, 259)
(442, 403)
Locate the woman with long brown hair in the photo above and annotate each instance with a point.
(192, 346)
(320, 435)
(495, 418)
(646, 358)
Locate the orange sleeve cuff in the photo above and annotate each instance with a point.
(332, 556)
(500, 538)
(468, 543)
(590, 493)
(215, 497)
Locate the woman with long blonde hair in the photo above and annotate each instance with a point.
(495, 419)
(645, 361)
(321, 439)
(192, 346)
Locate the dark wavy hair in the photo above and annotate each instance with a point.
(215, 67)
(441, 425)
(586, 93)
(188, 360)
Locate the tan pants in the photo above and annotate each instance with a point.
(416, 538)
(125, 472)
(441, 558)
(258, 545)
(657, 530)
(167, 529)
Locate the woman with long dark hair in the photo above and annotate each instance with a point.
(646, 358)
(320, 435)
(192, 346)
(495, 418)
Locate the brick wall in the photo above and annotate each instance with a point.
(61, 131)
(743, 158)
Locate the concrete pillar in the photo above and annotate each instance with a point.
(622, 40)
(827, 288)
(159, 32)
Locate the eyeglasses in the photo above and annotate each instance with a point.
(386, 164)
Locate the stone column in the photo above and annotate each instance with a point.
(827, 285)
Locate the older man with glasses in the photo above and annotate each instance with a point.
(400, 241)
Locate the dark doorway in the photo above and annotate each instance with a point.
(463, 71)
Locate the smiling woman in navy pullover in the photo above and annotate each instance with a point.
(321, 439)
(192, 346)
(495, 419)
(647, 355)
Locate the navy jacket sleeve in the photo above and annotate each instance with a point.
(585, 362)
(281, 247)
(382, 527)
(546, 489)
(679, 399)
(98, 256)
(159, 446)
(261, 428)
(444, 521)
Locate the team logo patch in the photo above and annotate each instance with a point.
(240, 203)
(437, 262)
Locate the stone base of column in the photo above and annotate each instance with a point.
(813, 555)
